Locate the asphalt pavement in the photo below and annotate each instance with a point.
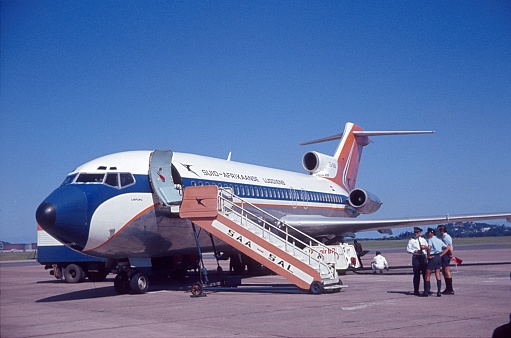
(34, 304)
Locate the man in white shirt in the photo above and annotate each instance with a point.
(379, 263)
(417, 247)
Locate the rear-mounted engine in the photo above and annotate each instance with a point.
(319, 164)
(363, 201)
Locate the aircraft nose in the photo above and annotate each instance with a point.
(46, 215)
(63, 214)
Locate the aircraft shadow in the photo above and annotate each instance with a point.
(109, 291)
(106, 291)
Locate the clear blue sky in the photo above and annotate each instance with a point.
(82, 79)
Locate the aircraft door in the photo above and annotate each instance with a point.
(160, 176)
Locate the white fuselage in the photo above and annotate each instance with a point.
(129, 221)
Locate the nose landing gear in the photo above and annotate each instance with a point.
(134, 282)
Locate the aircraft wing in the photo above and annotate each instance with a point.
(321, 225)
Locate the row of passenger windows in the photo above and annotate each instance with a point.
(116, 180)
(276, 193)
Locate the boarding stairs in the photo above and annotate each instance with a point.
(281, 248)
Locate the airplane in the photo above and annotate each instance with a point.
(126, 206)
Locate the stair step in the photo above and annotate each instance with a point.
(260, 240)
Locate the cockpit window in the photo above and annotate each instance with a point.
(111, 179)
(90, 178)
(126, 179)
(115, 180)
(69, 179)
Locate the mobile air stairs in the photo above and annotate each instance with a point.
(232, 220)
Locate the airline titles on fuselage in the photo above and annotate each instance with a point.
(242, 177)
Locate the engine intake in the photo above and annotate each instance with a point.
(363, 201)
(319, 164)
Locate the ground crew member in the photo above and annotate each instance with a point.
(358, 250)
(379, 263)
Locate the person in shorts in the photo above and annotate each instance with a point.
(436, 249)
(446, 259)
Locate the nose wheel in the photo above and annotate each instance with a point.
(138, 283)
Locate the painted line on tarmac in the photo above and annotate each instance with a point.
(366, 305)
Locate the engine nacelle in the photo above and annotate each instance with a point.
(320, 164)
(363, 201)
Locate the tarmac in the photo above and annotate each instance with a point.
(34, 304)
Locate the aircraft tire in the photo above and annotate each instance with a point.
(122, 284)
(253, 266)
(316, 288)
(139, 283)
(236, 264)
(73, 273)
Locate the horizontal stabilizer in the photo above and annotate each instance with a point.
(368, 133)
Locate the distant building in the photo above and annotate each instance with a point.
(8, 247)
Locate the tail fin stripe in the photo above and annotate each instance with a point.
(345, 179)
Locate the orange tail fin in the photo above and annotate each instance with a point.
(347, 155)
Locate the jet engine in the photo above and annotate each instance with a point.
(363, 201)
(319, 164)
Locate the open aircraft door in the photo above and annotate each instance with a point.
(160, 175)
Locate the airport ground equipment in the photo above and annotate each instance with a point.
(285, 250)
(65, 263)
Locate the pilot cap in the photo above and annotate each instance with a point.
(417, 229)
(431, 230)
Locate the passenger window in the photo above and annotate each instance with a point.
(111, 179)
(126, 179)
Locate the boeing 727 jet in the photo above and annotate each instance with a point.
(139, 209)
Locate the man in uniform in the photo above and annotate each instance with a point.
(417, 246)
(446, 259)
(436, 250)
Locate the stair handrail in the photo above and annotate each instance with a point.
(227, 196)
